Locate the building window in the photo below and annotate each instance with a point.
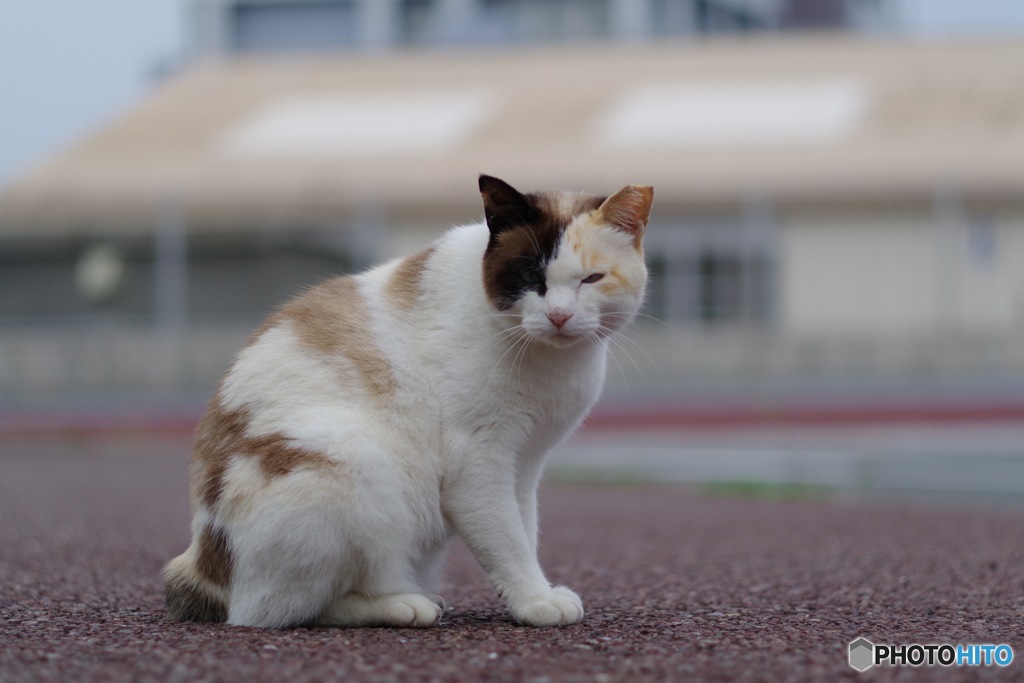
(731, 288)
(715, 16)
(304, 26)
(711, 273)
(418, 22)
(816, 14)
(538, 21)
(673, 17)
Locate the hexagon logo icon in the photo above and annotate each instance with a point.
(862, 654)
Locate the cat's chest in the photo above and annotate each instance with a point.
(530, 404)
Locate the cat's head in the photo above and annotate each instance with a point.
(565, 267)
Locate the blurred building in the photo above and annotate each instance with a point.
(274, 26)
(827, 205)
(231, 27)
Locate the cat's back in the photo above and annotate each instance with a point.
(359, 339)
(314, 348)
(404, 290)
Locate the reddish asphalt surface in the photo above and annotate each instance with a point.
(678, 586)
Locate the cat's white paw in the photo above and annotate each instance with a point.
(403, 610)
(558, 607)
(410, 609)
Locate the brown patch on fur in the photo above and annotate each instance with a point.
(558, 209)
(214, 560)
(217, 439)
(589, 258)
(221, 436)
(277, 458)
(404, 286)
(332, 318)
(613, 281)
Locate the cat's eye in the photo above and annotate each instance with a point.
(531, 276)
(592, 278)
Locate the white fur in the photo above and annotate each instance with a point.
(481, 397)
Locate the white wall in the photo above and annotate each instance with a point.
(990, 273)
(858, 274)
(894, 274)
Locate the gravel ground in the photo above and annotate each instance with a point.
(677, 586)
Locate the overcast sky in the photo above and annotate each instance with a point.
(66, 66)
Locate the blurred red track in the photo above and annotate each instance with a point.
(617, 416)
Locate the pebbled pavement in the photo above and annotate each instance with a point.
(678, 586)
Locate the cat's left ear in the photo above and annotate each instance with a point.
(628, 210)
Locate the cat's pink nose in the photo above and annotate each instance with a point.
(559, 317)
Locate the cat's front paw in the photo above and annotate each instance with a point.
(558, 607)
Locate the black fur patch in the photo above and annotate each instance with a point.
(187, 601)
(526, 230)
(186, 596)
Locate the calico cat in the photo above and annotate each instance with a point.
(376, 415)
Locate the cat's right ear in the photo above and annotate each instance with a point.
(629, 209)
(504, 206)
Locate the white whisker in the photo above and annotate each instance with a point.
(618, 364)
(657, 320)
(520, 345)
(516, 335)
(638, 315)
(624, 334)
(625, 352)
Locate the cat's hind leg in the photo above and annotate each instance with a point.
(291, 546)
(284, 579)
(322, 548)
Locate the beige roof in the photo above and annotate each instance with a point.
(810, 119)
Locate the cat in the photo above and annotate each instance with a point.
(376, 415)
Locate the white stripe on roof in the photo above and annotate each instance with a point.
(735, 113)
(388, 123)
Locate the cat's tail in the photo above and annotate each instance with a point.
(189, 596)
